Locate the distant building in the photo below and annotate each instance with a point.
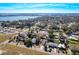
(74, 36)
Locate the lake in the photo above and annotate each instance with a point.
(12, 18)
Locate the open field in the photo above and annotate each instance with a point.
(4, 37)
(14, 50)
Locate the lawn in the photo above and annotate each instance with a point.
(74, 43)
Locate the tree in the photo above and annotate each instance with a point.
(41, 26)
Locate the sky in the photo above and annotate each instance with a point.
(39, 7)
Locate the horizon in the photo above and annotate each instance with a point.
(39, 7)
(39, 13)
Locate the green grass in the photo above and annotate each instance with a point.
(74, 43)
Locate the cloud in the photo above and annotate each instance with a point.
(40, 7)
(31, 5)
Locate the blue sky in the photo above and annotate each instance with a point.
(39, 7)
